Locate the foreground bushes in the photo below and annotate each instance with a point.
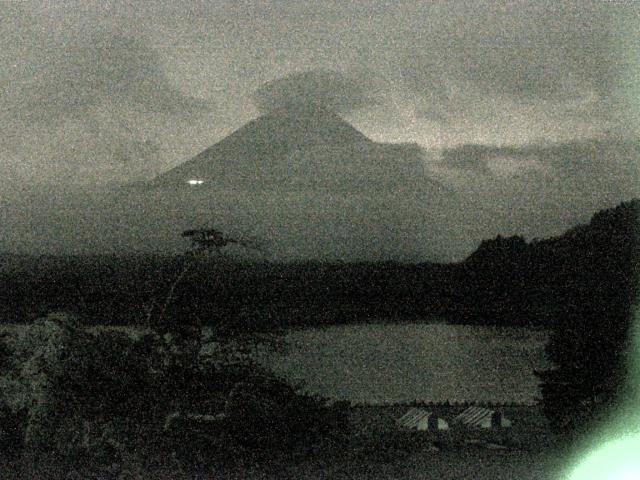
(81, 399)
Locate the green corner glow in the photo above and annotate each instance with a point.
(616, 456)
(616, 460)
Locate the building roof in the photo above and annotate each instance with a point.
(413, 417)
(475, 416)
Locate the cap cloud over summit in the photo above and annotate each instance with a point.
(326, 89)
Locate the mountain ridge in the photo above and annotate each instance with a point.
(265, 141)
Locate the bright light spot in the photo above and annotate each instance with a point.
(617, 460)
(195, 182)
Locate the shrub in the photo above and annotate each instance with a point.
(260, 418)
(84, 395)
(81, 398)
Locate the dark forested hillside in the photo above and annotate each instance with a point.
(506, 281)
(118, 290)
(590, 337)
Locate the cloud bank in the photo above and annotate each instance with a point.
(330, 90)
(92, 70)
(82, 106)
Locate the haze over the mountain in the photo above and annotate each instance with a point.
(118, 92)
(253, 151)
(313, 186)
(304, 147)
(302, 180)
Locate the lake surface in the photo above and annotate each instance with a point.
(389, 363)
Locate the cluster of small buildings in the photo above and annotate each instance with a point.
(472, 417)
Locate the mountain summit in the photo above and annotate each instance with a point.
(316, 187)
(302, 180)
(303, 148)
(263, 148)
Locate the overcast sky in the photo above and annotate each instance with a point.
(102, 91)
(108, 89)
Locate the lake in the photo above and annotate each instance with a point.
(392, 363)
(398, 363)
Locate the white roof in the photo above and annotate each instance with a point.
(413, 417)
(475, 417)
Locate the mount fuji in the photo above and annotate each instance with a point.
(302, 180)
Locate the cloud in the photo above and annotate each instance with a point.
(557, 63)
(330, 90)
(551, 182)
(585, 157)
(86, 109)
(101, 68)
(539, 51)
(91, 150)
(468, 157)
(85, 94)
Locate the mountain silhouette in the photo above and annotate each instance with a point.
(302, 180)
(264, 142)
(303, 147)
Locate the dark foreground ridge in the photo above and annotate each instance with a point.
(506, 281)
(79, 402)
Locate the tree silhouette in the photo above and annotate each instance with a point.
(204, 242)
(208, 240)
(591, 331)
